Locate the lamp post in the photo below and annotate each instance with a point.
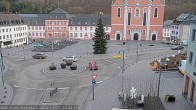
(123, 65)
(159, 80)
(52, 42)
(2, 66)
(137, 54)
(93, 79)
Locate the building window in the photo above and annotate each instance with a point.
(137, 13)
(190, 57)
(129, 18)
(71, 34)
(3, 30)
(75, 28)
(80, 28)
(70, 28)
(129, 32)
(91, 34)
(144, 19)
(106, 28)
(40, 34)
(193, 35)
(80, 34)
(0, 37)
(85, 28)
(143, 32)
(156, 12)
(118, 12)
(91, 28)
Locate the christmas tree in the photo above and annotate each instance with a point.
(100, 42)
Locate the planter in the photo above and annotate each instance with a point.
(69, 62)
(52, 67)
(170, 98)
(63, 65)
(73, 67)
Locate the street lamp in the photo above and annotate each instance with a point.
(123, 64)
(2, 66)
(159, 80)
(137, 54)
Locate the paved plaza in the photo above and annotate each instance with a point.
(28, 80)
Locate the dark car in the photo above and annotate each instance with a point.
(179, 47)
(39, 56)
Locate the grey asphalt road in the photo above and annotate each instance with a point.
(29, 83)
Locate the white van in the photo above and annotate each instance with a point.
(73, 58)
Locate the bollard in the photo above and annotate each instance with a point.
(5, 91)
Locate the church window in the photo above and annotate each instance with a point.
(137, 13)
(156, 12)
(118, 12)
(129, 18)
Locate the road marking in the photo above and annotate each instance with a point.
(88, 85)
(99, 82)
(16, 86)
(39, 89)
(82, 86)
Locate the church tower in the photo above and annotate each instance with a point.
(137, 19)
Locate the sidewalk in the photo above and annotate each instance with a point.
(7, 95)
(7, 92)
(106, 93)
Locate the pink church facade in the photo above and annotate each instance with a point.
(137, 19)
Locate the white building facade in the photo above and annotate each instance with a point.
(13, 32)
(167, 29)
(84, 32)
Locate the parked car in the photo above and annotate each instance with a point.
(39, 56)
(38, 46)
(91, 65)
(179, 47)
(73, 58)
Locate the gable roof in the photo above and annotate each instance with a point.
(182, 17)
(89, 20)
(167, 23)
(58, 11)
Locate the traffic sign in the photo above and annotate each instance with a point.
(94, 81)
(94, 76)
